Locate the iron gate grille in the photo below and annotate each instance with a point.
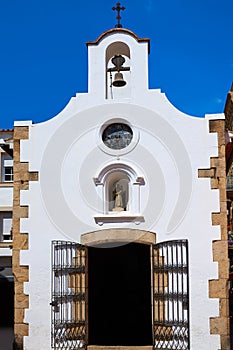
(171, 295)
(68, 295)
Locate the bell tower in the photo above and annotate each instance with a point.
(118, 63)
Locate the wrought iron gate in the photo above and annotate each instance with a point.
(171, 295)
(68, 295)
(170, 298)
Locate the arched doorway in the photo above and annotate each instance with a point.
(119, 295)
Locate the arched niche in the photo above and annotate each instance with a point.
(118, 190)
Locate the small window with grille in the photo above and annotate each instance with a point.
(8, 177)
(7, 168)
(6, 226)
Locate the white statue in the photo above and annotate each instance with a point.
(118, 198)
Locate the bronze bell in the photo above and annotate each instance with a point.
(119, 80)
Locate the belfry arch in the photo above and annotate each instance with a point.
(122, 50)
(117, 48)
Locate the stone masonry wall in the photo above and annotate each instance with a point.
(229, 110)
(22, 177)
(219, 288)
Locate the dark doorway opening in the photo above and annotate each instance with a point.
(6, 304)
(119, 295)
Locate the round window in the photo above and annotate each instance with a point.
(117, 135)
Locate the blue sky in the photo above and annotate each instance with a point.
(43, 59)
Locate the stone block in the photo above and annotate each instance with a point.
(24, 167)
(224, 234)
(16, 227)
(219, 325)
(119, 347)
(33, 176)
(218, 162)
(225, 342)
(24, 185)
(224, 308)
(18, 341)
(214, 183)
(216, 219)
(118, 235)
(221, 151)
(16, 152)
(20, 241)
(21, 300)
(220, 249)
(16, 198)
(21, 212)
(218, 288)
(21, 273)
(15, 258)
(206, 173)
(222, 183)
(21, 329)
(19, 315)
(21, 132)
(223, 268)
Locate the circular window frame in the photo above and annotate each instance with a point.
(117, 152)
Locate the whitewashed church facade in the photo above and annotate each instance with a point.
(119, 217)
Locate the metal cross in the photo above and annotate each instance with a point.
(118, 8)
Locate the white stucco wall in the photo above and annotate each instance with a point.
(175, 204)
(6, 197)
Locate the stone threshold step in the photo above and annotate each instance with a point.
(99, 347)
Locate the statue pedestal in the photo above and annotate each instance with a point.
(118, 209)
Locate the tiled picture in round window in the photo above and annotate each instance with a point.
(117, 135)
